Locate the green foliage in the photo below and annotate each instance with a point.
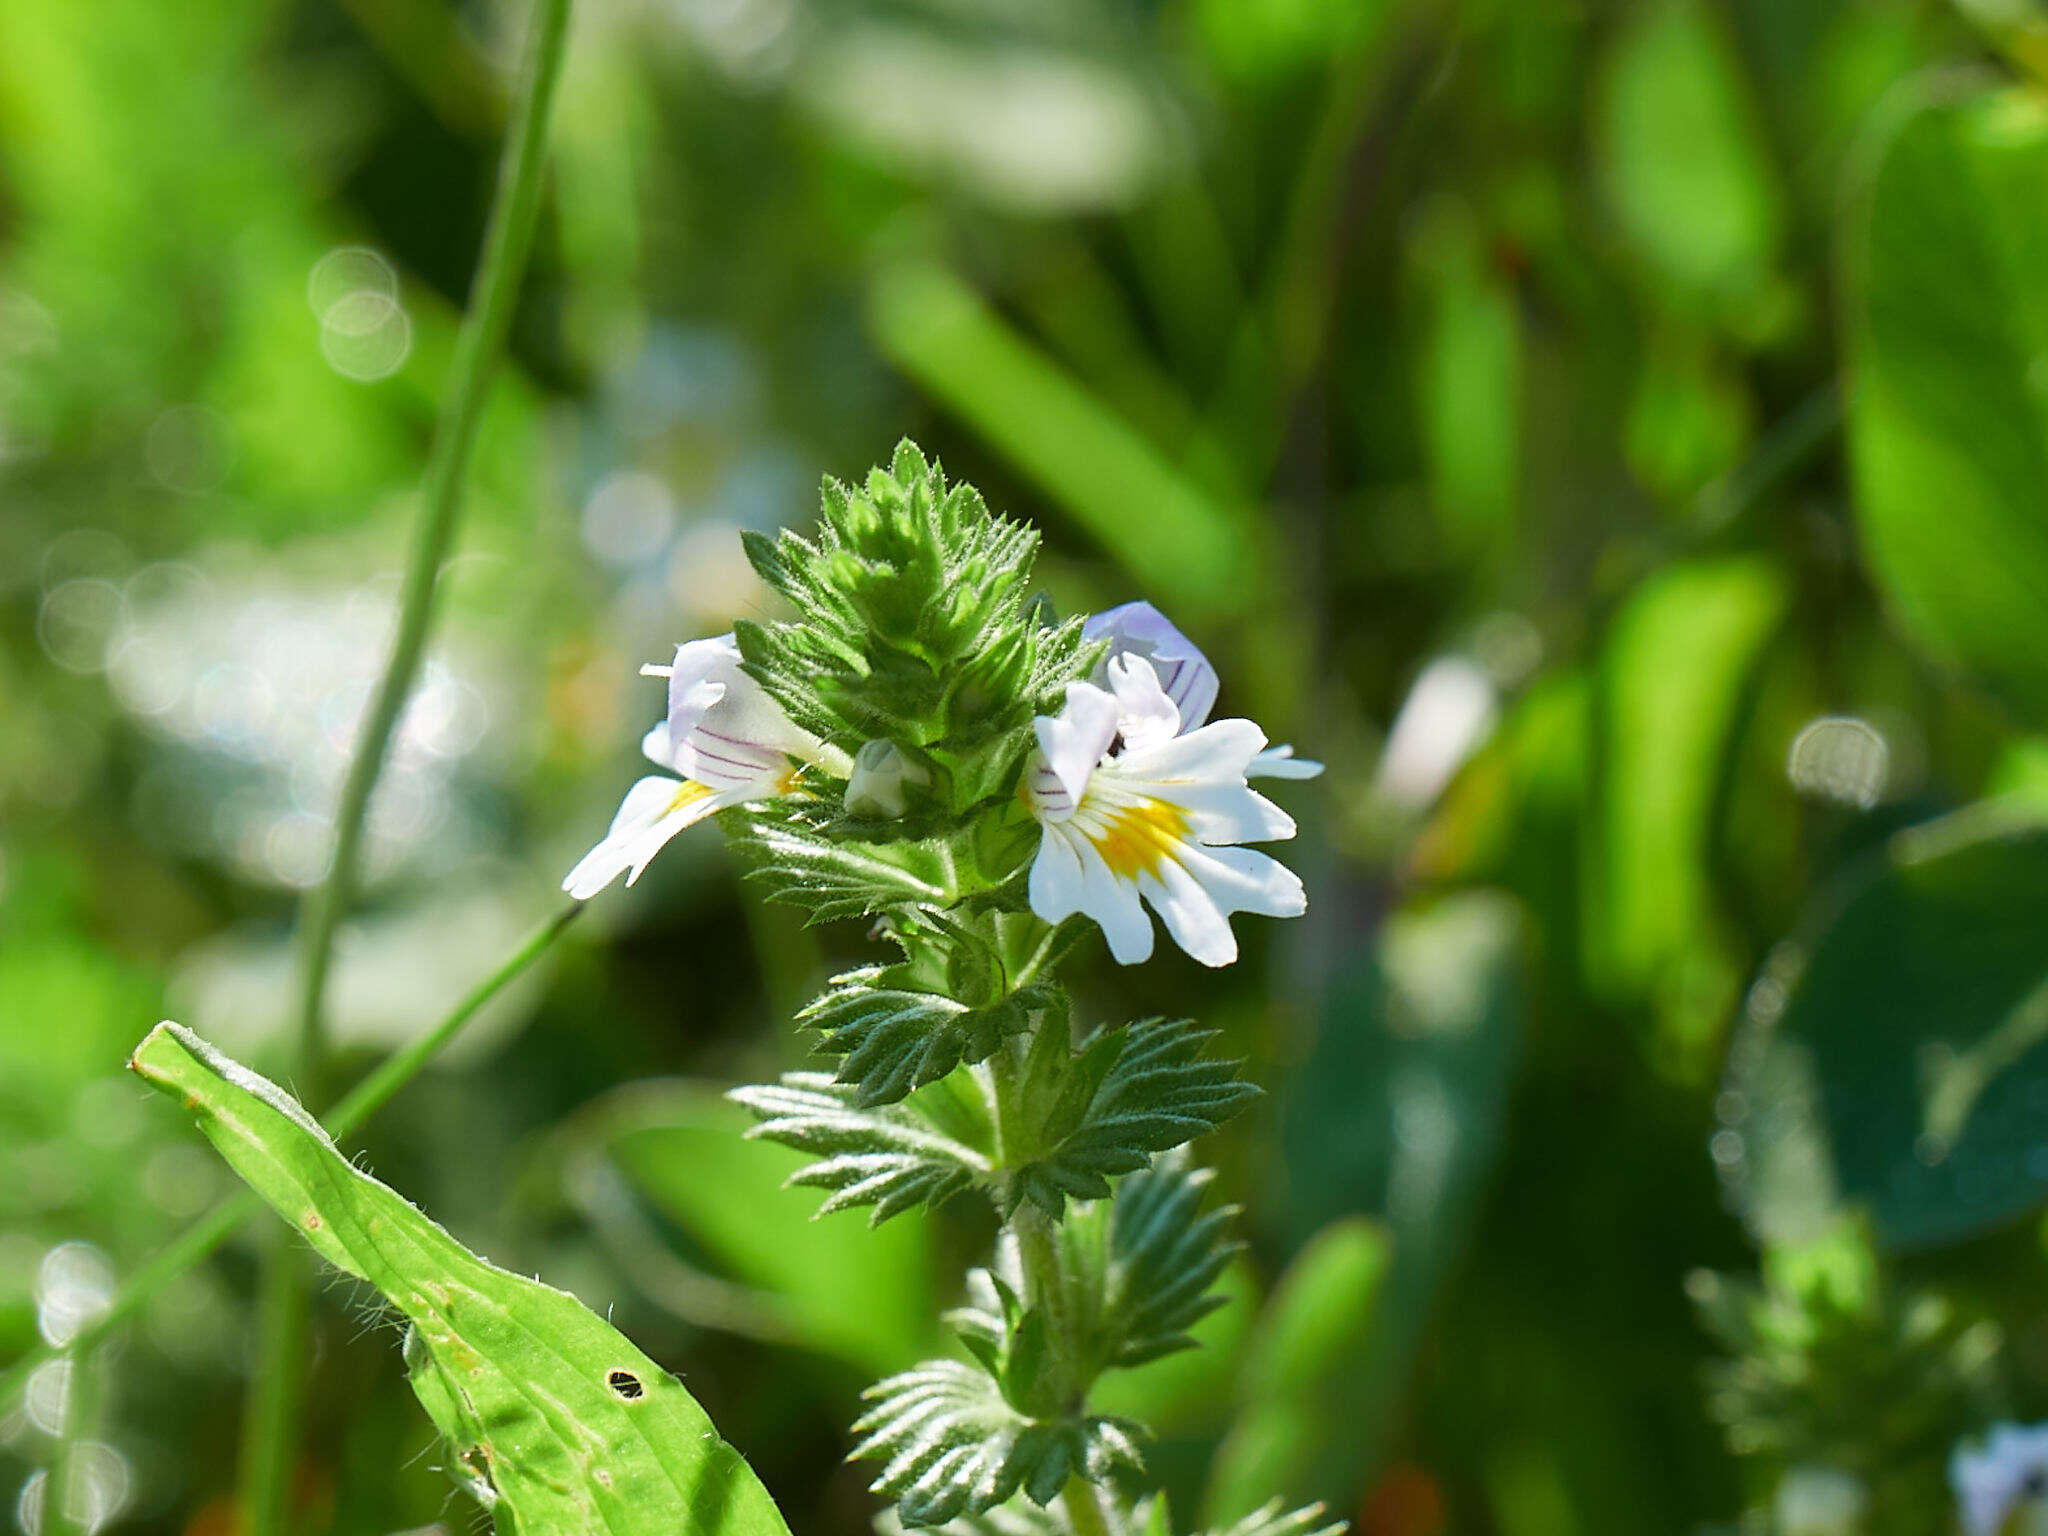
(911, 628)
(1949, 319)
(1830, 1367)
(558, 1423)
(1083, 1117)
(1305, 1351)
(1132, 1276)
(1146, 1517)
(955, 1445)
(1895, 1058)
(898, 1038)
(658, 1157)
(893, 1157)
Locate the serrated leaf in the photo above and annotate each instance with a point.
(1132, 1092)
(1135, 1272)
(896, 1039)
(889, 1157)
(1275, 1519)
(954, 1446)
(830, 878)
(557, 1419)
(1021, 1517)
(1146, 1517)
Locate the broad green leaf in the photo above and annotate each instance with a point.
(865, 1296)
(1196, 555)
(560, 1424)
(1678, 661)
(1948, 417)
(1897, 1056)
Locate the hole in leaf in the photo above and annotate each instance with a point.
(626, 1384)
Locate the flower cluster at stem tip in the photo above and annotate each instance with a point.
(919, 747)
(1136, 792)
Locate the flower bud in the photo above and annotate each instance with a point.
(881, 769)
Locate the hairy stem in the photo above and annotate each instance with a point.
(272, 1433)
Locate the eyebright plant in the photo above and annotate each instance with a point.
(919, 747)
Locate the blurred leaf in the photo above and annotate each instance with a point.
(1897, 1058)
(1197, 556)
(865, 1295)
(1688, 418)
(1679, 658)
(1682, 157)
(1397, 1111)
(1469, 384)
(1304, 1346)
(559, 1423)
(1948, 416)
(1264, 40)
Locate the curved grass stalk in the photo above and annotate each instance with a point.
(272, 1436)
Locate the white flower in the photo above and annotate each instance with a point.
(728, 740)
(1156, 819)
(2006, 1475)
(1185, 676)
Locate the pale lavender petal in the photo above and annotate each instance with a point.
(1139, 629)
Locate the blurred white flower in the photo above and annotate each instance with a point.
(2005, 1476)
(1820, 1501)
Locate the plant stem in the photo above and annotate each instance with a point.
(62, 1515)
(1084, 1508)
(192, 1246)
(482, 338)
(271, 1437)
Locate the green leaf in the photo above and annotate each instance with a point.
(833, 1285)
(1131, 1092)
(890, 1157)
(563, 1423)
(830, 878)
(1673, 681)
(1305, 1349)
(1200, 556)
(1896, 1056)
(1136, 1272)
(898, 1038)
(1434, 1013)
(954, 1446)
(1948, 417)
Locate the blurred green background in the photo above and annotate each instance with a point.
(1612, 433)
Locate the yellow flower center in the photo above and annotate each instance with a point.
(1137, 839)
(689, 792)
